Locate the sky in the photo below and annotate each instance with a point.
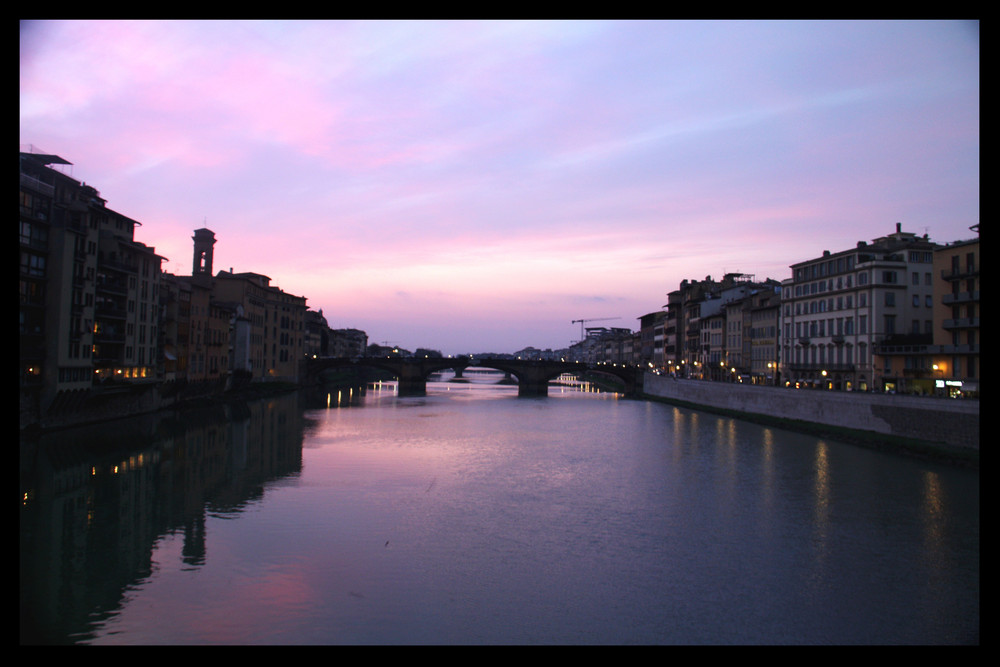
(473, 186)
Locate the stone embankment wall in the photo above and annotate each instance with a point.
(950, 422)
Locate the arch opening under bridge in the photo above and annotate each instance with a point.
(533, 376)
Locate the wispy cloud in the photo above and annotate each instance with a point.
(517, 171)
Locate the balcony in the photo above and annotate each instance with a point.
(961, 323)
(960, 297)
(37, 185)
(961, 349)
(110, 311)
(959, 274)
(109, 337)
(830, 368)
(918, 373)
(111, 286)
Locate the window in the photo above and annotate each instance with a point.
(32, 265)
(890, 299)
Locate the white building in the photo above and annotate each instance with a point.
(837, 306)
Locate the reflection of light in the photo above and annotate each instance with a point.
(933, 510)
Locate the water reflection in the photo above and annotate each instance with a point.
(98, 500)
(474, 516)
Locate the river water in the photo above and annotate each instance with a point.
(472, 516)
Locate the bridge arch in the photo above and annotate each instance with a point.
(533, 376)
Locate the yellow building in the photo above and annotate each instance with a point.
(943, 359)
(955, 352)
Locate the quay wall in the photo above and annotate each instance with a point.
(951, 423)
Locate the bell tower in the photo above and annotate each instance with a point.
(204, 241)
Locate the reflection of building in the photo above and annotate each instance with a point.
(837, 307)
(89, 292)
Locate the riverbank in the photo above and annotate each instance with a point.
(939, 429)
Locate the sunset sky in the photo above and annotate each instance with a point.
(474, 186)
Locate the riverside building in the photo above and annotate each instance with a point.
(708, 327)
(89, 292)
(837, 307)
(944, 361)
(236, 323)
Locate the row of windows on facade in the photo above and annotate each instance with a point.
(832, 304)
(847, 263)
(847, 282)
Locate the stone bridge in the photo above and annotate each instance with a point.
(533, 376)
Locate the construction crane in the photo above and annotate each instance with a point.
(595, 319)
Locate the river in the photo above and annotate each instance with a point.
(472, 516)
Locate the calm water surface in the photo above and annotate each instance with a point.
(472, 516)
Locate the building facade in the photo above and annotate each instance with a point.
(707, 332)
(837, 307)
(944, 362)
(956, 336)
(89, 292)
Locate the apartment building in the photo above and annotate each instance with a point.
(945, 360)
(737, 323)
(348, 343)
(230, 323)
(197, 331)
(955, 360)
(835, 308)
(276, 323)
(698, 335)
(763, 338)
(956, 336)
(712, 357)
(317, 334)
(649, 349)
(89, 292)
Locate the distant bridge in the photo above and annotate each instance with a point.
(533, 376)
